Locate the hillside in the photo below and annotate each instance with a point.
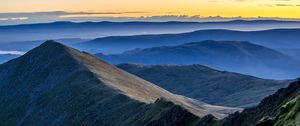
(57, 85)
(206, 84)
(279, 109)
(235, 56)
(275, 38)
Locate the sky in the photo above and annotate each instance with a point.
(23, 10)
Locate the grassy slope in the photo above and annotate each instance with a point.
(279, 109)
(55, 85)
(288, 115)
(39, 90)
(204, 83)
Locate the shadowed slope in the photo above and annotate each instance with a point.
(136, 87)
(279, 109)
(56, 85)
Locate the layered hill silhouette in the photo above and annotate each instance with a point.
(276, 38)
(59, 30)
(235, 56)
(206, 84)
(57, 85)
(294, 52)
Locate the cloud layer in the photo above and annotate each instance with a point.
(44, 17)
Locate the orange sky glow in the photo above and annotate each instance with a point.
(204, 8)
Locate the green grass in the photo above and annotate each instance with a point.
(289, 113)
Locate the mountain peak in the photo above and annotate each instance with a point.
(51, 44)
(49, 51)
(55, 68)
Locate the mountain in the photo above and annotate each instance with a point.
(206, 84)
(87, 30)
(57, 85)
(275, 38)
(279, 109)
(24, 46)
(241, 57)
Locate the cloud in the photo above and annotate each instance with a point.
(14, 18)
(59, 13)
(11, 52)
(280, 5)
(46, 17)
(284, 5)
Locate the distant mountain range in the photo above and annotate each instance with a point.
(241, 57)
(293, 52)
(206, 84)
(57, 85)
(126, 36)
(277, 38)
(88, 30)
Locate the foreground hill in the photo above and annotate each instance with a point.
(241, 57)
(279, 109)
(276, 38)
(57, 85)
(206, 84)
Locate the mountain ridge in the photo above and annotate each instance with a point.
(274, 38)
(204, 83)
(236, 56)
(57, 85)
(91, 30)
(232, 21)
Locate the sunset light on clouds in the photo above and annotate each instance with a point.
(205, 8)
